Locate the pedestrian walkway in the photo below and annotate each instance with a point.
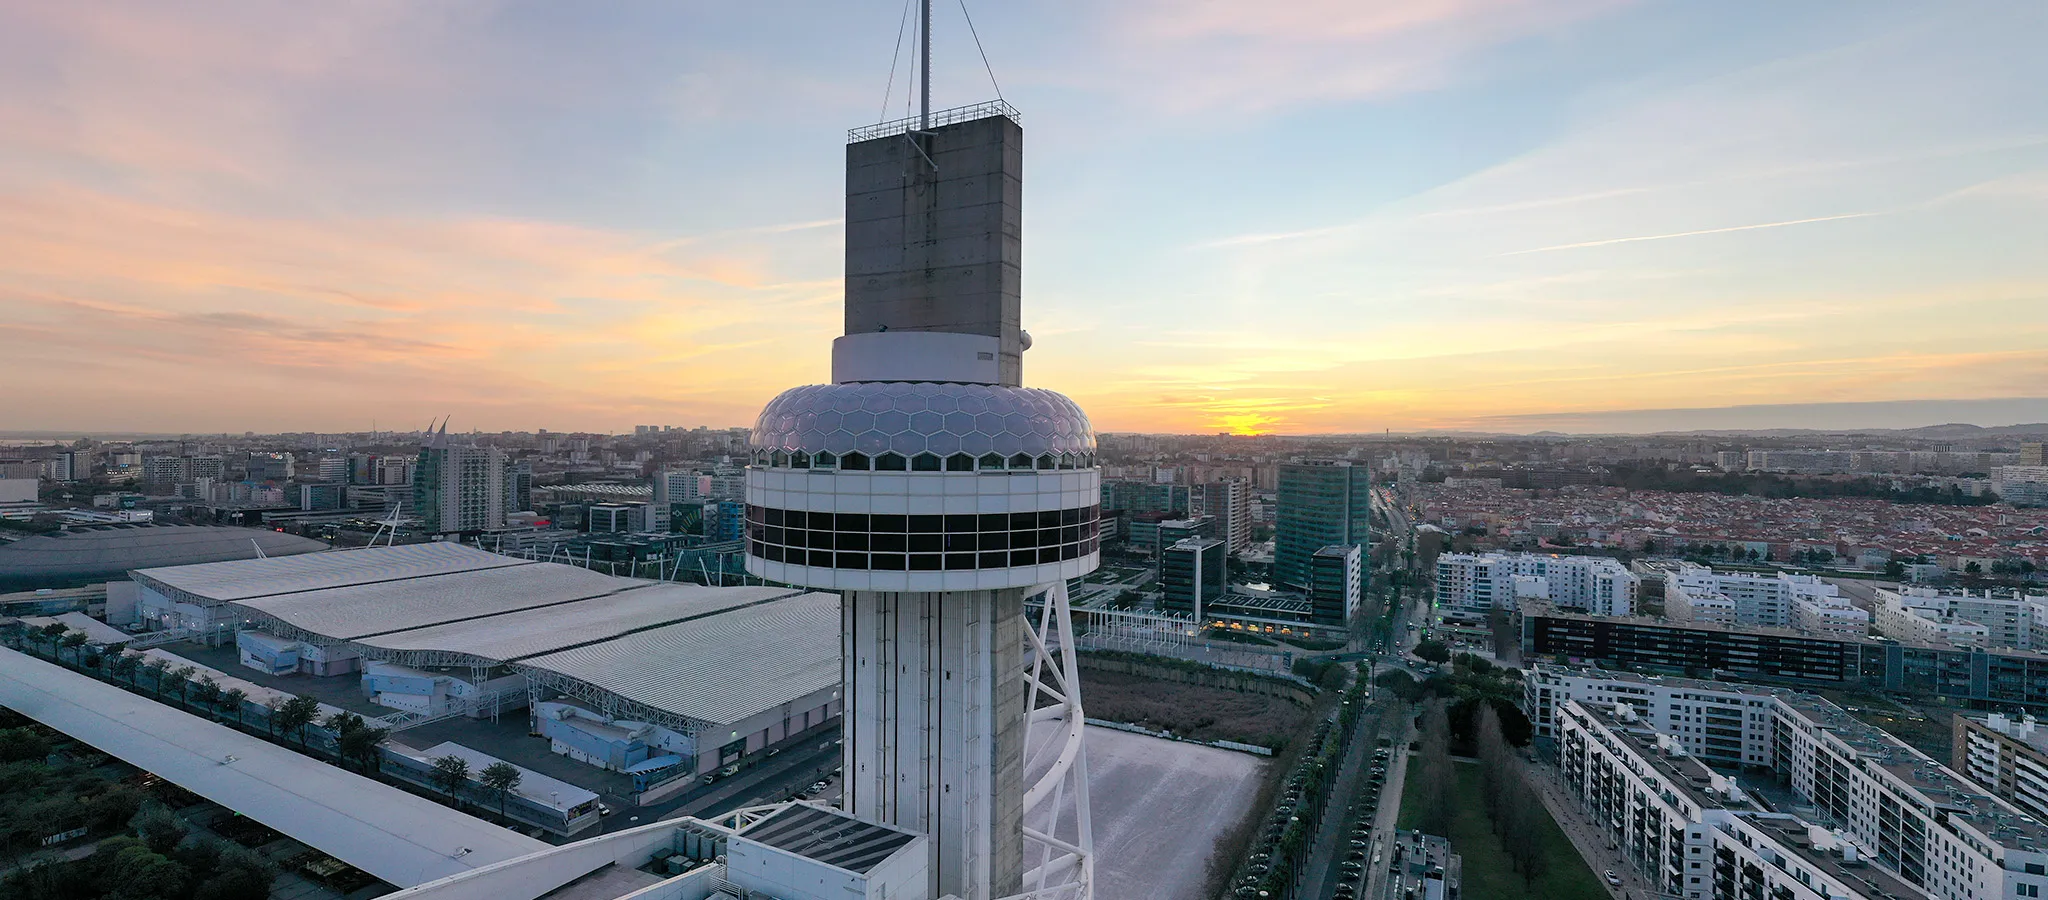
(1586, 835)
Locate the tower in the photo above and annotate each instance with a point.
(1322, 502)
(941, 497)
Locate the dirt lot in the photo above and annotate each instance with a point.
(1201, 713)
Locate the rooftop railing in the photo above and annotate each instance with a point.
(983, 110)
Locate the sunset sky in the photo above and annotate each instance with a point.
(1289, 215)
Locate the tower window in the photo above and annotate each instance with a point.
(924, 462)
(891, 462)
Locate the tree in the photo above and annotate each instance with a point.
(1433, 651)
(501, 778)
(122, 665)
(156, 668)
(206, 693)
(181, 677)
(1400, 684)
(19, 744)
(51, 633)
(294, 715)
(74, 640)
(1506, 643)
(1895, 569)
(158, 828)
(360, 743)
(451, 775)
(231, 700)
(1438, 779)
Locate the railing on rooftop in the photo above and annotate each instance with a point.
(983, 110)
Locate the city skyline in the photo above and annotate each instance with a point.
(1315, 218)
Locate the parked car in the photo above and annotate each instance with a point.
(1613, 879)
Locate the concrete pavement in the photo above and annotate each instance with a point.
(1587, 835)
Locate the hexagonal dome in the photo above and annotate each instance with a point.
(906, 416)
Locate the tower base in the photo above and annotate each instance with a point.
(935, 689)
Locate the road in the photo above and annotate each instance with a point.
(1389, 815)
(1322, 872)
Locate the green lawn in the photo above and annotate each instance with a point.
(1487, 873)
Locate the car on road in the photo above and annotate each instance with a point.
(1613, 879)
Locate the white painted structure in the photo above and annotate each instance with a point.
(1963, 618)
(937, 492)
(1913, 818)
(1696, 593)
(1477, 583)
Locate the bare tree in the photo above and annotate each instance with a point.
(1439, 779)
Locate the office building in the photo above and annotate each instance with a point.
(1477, 583)
(2006, 756)
(2031, 455)
(1992, 618)
(332, 467)
(171, 470)
(1322, 502)
(1336, 584)
(1173, 531)
(68, 465)
(1145, 498)
(615, 517)
(1193, 573)
(518, 486)
(458, 489)
(1967, 674)
(270, 467)
(1229, 502)
(726, 483)
(321, 495)
(1804, 603)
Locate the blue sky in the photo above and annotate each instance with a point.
(1293, 216)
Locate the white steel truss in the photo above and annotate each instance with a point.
(1054, 742)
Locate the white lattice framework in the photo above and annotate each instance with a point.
(1064, 869)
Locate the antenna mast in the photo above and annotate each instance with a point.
(924, 116)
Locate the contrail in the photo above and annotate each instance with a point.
(1659, 237)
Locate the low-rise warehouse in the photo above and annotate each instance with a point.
(650, 669)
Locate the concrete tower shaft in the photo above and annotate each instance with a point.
(933, 228)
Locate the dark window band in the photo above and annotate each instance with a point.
(921, 543)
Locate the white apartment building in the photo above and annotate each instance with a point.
(1874, 798)
(1963, 618)
(2005, 756)
(1693, 831)
(1696, 593)
(1467, 582)
(2021, 485)
(1724, 724)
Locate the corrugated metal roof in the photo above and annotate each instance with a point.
(109, 552)
(721, 669)
(357, 610)
(403, 839)
(518, 634)
(222, 582)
